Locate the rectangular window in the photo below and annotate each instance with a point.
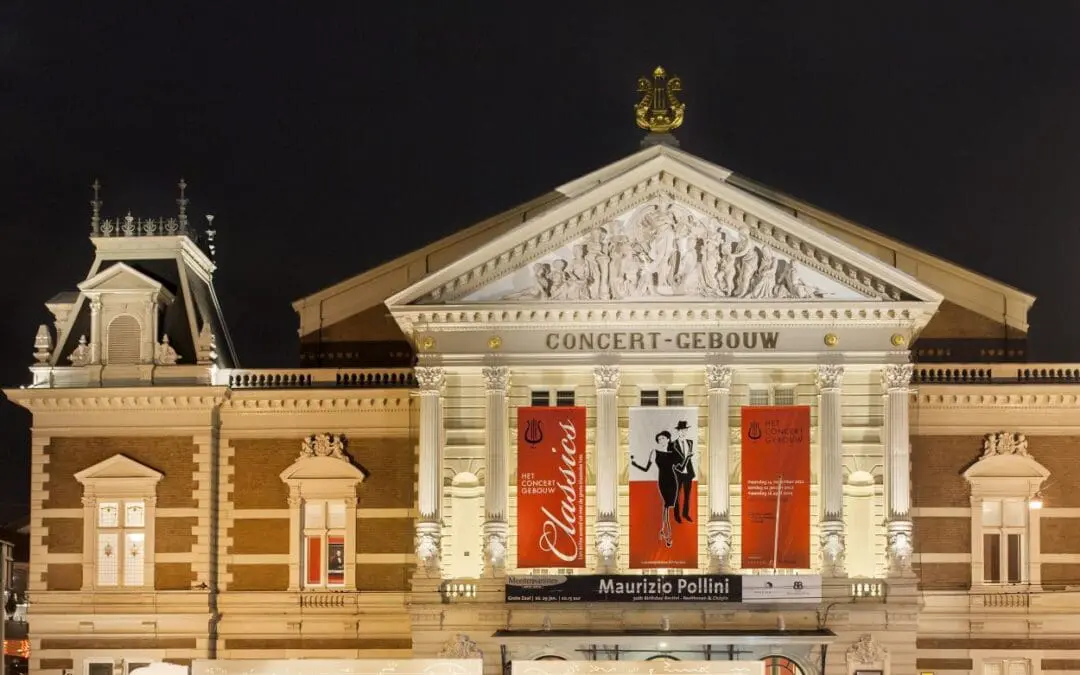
(131, 665)
(121, 545)
(1004, 524)
(1006, 667)
(759, 397)
(324, 543)
(650, 397)
(784, 396)
(99, 668)
(565, 398)
(541, 398)
(673, 397)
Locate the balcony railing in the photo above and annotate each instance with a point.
(302, 378)
(997, 373)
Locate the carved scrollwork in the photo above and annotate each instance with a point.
(1005, 443)
(900, 548)
(897, 377)
(430, 378)
(718, 377)
(866, 652)
(460, 647)
(606, 378)
(832, 550)
(830, 376)
(323, 445)
(496, 378)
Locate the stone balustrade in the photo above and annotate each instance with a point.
(323, 378)
(997, 373)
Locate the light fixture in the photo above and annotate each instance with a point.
(661, 645)
(1036, 502)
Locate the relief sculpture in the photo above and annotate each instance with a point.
(665, 250)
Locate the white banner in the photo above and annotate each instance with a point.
(657, 667)
(775, 588)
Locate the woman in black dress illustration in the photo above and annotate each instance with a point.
(665, 480)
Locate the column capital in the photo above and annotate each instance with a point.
(897, 376)
(496, 378)
(829, 376)
(718, 377)
(430, 378)
(606, 377)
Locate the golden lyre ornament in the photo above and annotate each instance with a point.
(659, 109)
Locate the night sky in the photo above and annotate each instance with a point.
(326, 142)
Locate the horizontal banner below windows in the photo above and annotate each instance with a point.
(682, 588)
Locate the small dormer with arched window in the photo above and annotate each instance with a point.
(125, 308)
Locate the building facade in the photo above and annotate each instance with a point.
(372, 503)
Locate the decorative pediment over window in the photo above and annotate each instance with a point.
(118, 476)
(1006, 467)
(323, 468)
(123, 278)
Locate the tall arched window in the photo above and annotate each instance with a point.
(124, 337)
(781, 665)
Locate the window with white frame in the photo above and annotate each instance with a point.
(653, 397)
(121, 543)
(118, 523)
(543, 398)
(1006, 667)
(784, 395)
(100, 666)
(1004, 536)
(324, 543)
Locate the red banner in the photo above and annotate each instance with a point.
(663, 488)
(776, 487)
(551, 487)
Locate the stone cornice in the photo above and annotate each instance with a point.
(289, 402)
(998, 396)
(119, 399)
(795, 313)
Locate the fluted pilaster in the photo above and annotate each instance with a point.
(429, 482)
(829, 381)
(896, 381)
(607, 464)
(496, 528)
(718, 384)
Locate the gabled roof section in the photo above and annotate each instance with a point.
(118, 467)
(973, 291)
(656, 180)
(121, 277)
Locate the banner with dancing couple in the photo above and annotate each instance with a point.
(664, 466)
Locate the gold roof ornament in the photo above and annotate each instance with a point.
(659, 110)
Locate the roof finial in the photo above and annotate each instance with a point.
(182, 203)
(659, 111)
(95, 206)
(210, 234)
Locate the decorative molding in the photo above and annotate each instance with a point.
(460, 647)
(994, 399)
(718, 377)
(897, 377)
(345, 402)
(606, 378)
(1005, 443)
(496, 378)
(70, 401)
(829, 377)
(866, 652)
(719, 541)
(668, 187)
(832, 548)
(900, 547)
(430, 379)
(323, 445)
(164, 354)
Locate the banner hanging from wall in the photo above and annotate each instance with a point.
(776, 487)
(663, 488)
(551, 487)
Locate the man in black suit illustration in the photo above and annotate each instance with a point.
(683, 448)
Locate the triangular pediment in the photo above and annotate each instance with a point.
(663, 227)
(122, 278)
(118, 467)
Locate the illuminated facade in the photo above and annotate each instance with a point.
(367, 504)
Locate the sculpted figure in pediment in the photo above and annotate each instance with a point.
(664, 250)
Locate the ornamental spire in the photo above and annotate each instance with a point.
(659, 111)
(95, 208)
(182, 203)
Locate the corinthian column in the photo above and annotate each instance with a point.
(895, 380)
(831, 480)
(607, 465)
(429, 482)
(718, 384)
(496, 529)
